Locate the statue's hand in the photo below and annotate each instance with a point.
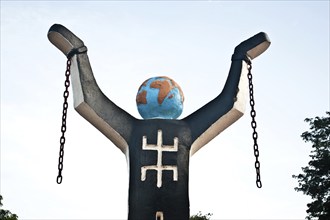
(65, 40)
(252, 47)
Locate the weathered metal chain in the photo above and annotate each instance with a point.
(254, 126)
(64, 115)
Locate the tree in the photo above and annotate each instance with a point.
(200, 216)
(5, 214)
(315, 181)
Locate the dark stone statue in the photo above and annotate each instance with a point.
(158, 148)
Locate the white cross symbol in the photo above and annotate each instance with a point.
(159, 167)
(159, 215)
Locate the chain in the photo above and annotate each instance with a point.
(254, 126)
(63, 127)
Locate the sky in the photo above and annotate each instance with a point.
(129, 42)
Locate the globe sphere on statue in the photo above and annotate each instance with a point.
(160, 98)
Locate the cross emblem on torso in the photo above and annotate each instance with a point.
(159, 167)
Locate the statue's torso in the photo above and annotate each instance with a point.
(159, 172)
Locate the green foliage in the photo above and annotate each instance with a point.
(200, 216)
(315, 180)
(5, 214)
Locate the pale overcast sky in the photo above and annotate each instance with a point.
(189, 41)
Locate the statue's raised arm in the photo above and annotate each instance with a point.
(89, 100)
(208, 121)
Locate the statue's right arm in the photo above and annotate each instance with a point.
(89, 100)
(217, 115)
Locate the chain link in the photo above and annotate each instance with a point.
(64, 116)
(254, 126)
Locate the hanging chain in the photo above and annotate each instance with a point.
(63, 127)
(254, 126)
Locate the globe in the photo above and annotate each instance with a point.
(160, 97)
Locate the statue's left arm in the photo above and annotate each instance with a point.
(89, 100)
(208, 121)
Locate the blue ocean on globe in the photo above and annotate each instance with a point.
(160, 97)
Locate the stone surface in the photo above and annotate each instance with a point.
(158, 150)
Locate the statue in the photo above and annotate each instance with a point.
(159, 146)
